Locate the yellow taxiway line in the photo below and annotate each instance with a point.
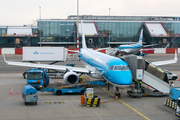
(128, 105)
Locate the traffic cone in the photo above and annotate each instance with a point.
(179, 78)
(164, 55)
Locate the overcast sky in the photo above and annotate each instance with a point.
(21, 12)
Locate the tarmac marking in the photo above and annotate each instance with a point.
(127, 105)
(96, 114)
(14, 93)
(54, 102)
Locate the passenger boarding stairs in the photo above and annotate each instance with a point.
(156, 78)
(149, 74)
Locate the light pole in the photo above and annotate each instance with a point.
(77, 24)
(152, 37)
(40, 23)
(109, 26)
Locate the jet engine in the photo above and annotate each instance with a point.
(71, 77)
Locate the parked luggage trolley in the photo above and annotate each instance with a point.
(29, 95)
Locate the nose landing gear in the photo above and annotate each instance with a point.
(118, 94)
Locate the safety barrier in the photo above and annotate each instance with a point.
(171, 50)
(18, 51)
(150, 51)
(92, 102)
(170, 103)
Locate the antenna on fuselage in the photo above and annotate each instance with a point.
(83, 36)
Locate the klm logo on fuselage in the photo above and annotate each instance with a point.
(140, 38)
(139, 75)
(35, 52)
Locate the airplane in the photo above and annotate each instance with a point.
(98, 65)
(132, 48)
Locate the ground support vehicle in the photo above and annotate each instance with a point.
(37, 78)
(29, 95)
(144, 92)
(76, 88)
(174, 100)
(89, 99)
(171, 76)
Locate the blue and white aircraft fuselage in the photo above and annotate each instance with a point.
(131, 49)
(113, 69)
(134, 48)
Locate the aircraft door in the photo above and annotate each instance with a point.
(140, 68)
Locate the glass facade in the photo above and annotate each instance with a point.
(120, 31)
(64, 33)
(57, 31)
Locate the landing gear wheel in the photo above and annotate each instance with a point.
(116, 95)
(45, 84)
(25, 103)
(35, 103)
(139, 53)
(119, 95)
(59, 92)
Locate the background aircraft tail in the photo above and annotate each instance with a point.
(140, 38)
(83, 36)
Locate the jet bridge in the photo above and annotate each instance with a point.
(149, 74)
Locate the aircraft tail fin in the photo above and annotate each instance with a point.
(83, 36)
(140, 38)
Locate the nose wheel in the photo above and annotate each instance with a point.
(118, 94)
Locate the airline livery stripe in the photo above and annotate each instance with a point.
(127, 105)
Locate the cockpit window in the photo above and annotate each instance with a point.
(121, 67)
(111, 68)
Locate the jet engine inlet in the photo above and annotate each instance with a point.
(71, 78)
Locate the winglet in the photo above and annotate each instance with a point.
(175, 57)
(4, 59)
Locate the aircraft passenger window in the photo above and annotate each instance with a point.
(111, 68)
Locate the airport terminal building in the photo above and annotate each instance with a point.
(100, 31)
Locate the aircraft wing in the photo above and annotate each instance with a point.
(146, 49)
(149, 45)
(75, 51)
(166, 62)
(102, 49)
(56, 67)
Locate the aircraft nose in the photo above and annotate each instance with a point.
(123, 78)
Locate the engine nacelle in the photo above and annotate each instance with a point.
(71, 77)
